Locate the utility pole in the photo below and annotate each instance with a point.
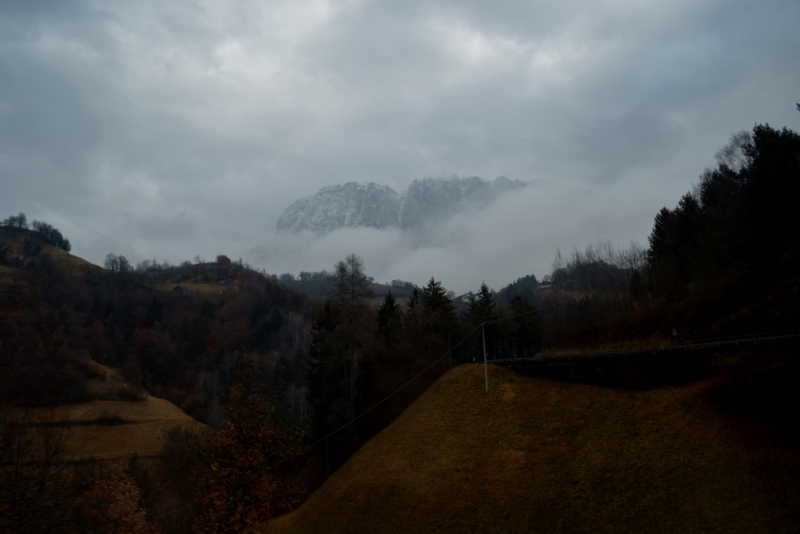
(485, 365)
(449, 352)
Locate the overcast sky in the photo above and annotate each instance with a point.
(175, 129)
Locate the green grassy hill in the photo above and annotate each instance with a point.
(542, 456)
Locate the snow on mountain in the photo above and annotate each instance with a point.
(427, 201)
(351, 204)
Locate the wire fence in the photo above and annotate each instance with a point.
(545, 359)
(694, 345)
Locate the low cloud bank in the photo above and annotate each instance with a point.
(513, 237)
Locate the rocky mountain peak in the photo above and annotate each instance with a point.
(426, 201)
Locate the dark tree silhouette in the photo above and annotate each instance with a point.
(526, 334)
(389, 317)
(18, 221)
(51, 235)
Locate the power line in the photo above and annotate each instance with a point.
(395, 392)
(359, 416)
(449, 351)
(432, 364)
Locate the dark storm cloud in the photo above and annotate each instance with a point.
(174, 129)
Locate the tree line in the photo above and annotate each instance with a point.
(45, 231)
(359, 356)
(739, 223)
(734, 238)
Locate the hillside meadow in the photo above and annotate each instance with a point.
(542, 456)
(111, 430)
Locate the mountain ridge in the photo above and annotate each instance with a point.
(426, 201)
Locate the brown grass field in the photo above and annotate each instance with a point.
(543, 456)
(112, 430)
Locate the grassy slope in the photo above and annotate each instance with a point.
(15, 241)
(139, 426)
(110, 430)
(543, 456)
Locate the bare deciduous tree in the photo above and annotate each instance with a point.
(734, 155)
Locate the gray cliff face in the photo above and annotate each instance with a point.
(426, 202)
(430, 200)
(351, 204)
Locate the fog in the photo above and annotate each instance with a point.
(173, 129)
(515, 236)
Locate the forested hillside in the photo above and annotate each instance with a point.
(170, 328)
(220, 340)
(724, 261)
(287, 379)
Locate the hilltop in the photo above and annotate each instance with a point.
(542, 456)
(120, 418)
(19, 244)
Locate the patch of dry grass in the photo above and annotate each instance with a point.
(202, 287)
(543, 456)
(109, 430)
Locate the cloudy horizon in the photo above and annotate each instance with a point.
(171, 130)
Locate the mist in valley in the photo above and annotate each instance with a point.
(168, 168)
(514, 236)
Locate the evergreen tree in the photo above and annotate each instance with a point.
(351, 289)
(435, 299)
(339, 280)
(354, 323)
(327, 373)
(741, 221)
(527, 332)
(439, 311)
(415, 301)
(772, 189)
(482, 310)
(414, 322)
(482, 305)
(389, 317)
(525, 287)
(662, 237)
